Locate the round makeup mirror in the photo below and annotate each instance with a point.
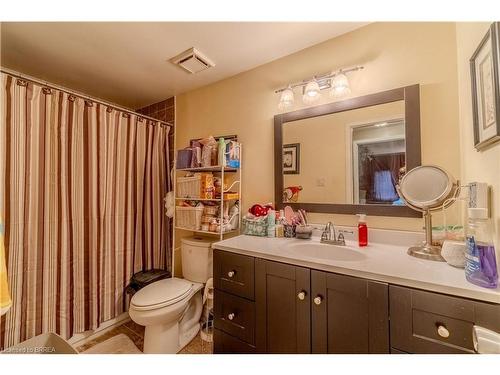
(428, 188)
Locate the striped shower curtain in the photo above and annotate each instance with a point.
(81, 194)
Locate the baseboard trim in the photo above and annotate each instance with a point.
(84, 337)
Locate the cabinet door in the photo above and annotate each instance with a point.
(349, 315)
(282, 299)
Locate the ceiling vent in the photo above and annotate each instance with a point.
(192, 61)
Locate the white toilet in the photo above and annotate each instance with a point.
(170, 309)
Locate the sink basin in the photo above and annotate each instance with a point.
(326, 252)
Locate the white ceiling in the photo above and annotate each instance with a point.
(127, 62)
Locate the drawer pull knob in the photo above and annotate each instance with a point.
(230, 316)
(301, 295)
(317, 300)
(443, 331)
(230, 274)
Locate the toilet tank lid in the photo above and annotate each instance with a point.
(197, 241)
(162, 293)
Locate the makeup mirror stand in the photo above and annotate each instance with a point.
(428, 250)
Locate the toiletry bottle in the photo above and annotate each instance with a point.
(362, 231)
(221, 152)
(280, 232)
(271, 223)
(481, 266)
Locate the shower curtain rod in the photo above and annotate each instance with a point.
(79, 94)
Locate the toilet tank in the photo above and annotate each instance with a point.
(196, 259)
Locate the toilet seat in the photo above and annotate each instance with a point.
(161, 293)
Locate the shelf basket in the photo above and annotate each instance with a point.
(189, 217)
(189, 187)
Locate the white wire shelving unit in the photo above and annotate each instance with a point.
(221, 200)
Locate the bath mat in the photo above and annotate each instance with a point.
(119, 344)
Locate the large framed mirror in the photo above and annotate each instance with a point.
(346, 157)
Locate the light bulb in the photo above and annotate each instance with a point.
(340, 85)
(311, 92)
(286, 98)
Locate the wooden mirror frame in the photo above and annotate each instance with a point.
(411, 97)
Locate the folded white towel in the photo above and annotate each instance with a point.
(170, 204)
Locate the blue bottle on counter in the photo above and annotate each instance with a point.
(481, 266)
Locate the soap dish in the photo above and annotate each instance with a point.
(303, 232)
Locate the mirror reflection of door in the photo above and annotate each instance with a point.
(378, 160)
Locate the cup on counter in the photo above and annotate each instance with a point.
(303, 231)
(454, 253)
(289, 230)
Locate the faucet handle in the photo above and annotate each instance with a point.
(340, 237)
(345, 231)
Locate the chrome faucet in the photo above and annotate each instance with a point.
(329, 235)
(328, 231)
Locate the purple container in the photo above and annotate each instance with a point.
(184, 158)
(481, 264)
(481, 267)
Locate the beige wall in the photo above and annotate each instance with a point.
(481, 166)
(394, 55)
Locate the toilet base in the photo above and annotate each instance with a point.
(187, 336)
(164, 339)
(171, 337)
(161, 339)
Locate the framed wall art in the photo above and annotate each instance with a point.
(484, 66)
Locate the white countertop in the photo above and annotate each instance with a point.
(383, 262)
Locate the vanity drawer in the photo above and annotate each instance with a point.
(234, 273)
(235, 316)
(442, 328)
(427, 322)
(227, 344)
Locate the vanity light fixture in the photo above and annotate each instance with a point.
(311, 92)
(286, 98)
(340, 85)
(337, 82)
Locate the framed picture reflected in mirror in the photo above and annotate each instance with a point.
(291, 158)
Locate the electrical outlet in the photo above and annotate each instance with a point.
(478, 195)
(320, 182)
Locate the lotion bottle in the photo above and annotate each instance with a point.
(362, 231)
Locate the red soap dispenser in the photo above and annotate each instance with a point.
(362, 231)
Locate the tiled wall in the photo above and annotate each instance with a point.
(164, 111)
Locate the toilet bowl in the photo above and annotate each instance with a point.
(171, 309)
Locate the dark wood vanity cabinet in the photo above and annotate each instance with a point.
(349, 314)
(294, 309)
(263, 306)
(431, 323)
(234, 303)
(283, 305)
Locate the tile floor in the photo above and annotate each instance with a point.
(136, 333)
